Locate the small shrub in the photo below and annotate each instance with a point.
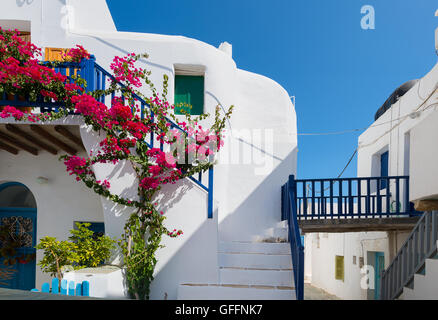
(84, 250)
(57, 254)
(91, 250)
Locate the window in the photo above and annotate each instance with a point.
(16, 195)
(384, 159)
(339, 268)
(97, 227)
(189, 91)
(54, 54)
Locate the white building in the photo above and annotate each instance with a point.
(246, 192)
(401, 142)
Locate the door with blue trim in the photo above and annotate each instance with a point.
(17, 237)
(379, 268)
(384, 169)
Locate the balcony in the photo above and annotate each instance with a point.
(22, 137)
(354, 204)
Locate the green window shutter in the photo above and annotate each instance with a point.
(339, 268)
(189, 90)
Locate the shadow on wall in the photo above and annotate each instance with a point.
(193, 256)
(125, 52)
(171, 194)
(250, 219)
(194, 261)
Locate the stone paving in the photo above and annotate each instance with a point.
(314, 293)
(11, 294)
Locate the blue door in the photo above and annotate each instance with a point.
(379, 268)
(384, 172)
(17, 237)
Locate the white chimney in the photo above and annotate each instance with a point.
(227, 48)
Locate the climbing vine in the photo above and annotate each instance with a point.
(192, 147)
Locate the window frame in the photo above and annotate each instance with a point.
(190, 70)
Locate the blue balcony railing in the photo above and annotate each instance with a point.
(289, 213)
(420, 245)
(367, 197)
(96, 78)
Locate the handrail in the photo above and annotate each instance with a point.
(95, 77)
(289, 213)
(360, 197)
(420, 245)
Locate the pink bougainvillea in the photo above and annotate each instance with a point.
(186, 148)
(76, 54)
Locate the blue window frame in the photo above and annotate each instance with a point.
(97, 227)
(384, 172)
(189, 94)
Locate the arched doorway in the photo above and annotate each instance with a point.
(18, 215)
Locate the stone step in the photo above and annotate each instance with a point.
(254, 247)
(260, 261)
(276, 232)
(408, 294)
(234, 292)
(432, 268)
(256, 277)
(282, 224)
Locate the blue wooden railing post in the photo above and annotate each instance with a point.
(289, 208)
(85, 288)
(55, 286)
(64, 287)
(88, 73)
(407, 202)
(67, 288)
(210, 193)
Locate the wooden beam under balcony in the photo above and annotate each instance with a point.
(8, 148)
(358, 225)
(30, 138)
(43, 133)
(62, 130)
(13, 141)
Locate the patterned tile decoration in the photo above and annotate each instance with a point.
(20, 229)
(6, 274)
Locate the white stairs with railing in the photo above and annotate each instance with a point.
(256, 270)
(424, 286)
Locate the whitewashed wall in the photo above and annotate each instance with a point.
(60, 201)
(260, 102)
(324, 247)
(397, 136)
(247, 197)
(424, 158)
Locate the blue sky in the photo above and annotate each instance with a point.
(316, 49)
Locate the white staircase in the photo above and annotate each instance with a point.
(257, 270)
(424, 286)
